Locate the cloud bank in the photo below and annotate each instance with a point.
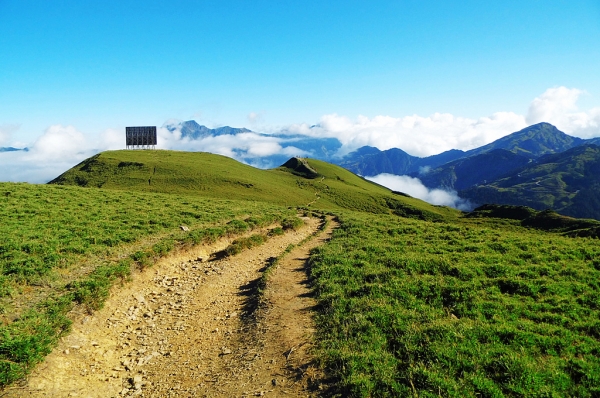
(415, 188)
(61, 147)
(430, 135)
(55, 151)
(417, 135)
(243, 147)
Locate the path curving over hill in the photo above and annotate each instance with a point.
(189, 327)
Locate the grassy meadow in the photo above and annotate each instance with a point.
(472, 308)
(414, 300)
(64, 245)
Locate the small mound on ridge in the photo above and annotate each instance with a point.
(300, 167)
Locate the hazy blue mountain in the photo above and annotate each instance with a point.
(11, 149)
(319, 148)
(366, 162)
(369, 161)
(191, 129)
(595, 141)
(567, 182)
(473, 170)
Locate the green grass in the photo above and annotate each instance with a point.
(414, 299)
(62, 246)
(219, 177)
(45, 228)
(469, 308)
(239, 245)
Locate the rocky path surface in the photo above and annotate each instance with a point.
(188, 328)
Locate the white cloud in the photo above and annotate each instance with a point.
(59, 143)
(553, 105)
(61, 147)
(558, 106)
(58, 149)
(111, 139)
(415, 188)
(417, 135)
(243, 147)
(430, 135)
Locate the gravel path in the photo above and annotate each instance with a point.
(184, 329)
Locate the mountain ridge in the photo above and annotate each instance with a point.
(567, 182)
(536, 140)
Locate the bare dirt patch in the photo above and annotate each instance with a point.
(181, 328)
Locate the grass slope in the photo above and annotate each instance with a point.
(215, 176)
(62, 245)
(472, 308)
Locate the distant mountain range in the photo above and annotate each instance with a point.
(368, 161)
(539, 166)
(531, 142)
(567, 182)
(318, 148)
(11, 149)
(192, 130)
(472, 170)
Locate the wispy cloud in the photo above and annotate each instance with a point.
(256, 118)
(415, 188)
(55, 151)
(430, 135)
(61, 147)
(6, 131)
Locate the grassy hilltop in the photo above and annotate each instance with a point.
(215, 176)
(414, 299)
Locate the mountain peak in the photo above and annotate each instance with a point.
(542, 125)
(533, 141)
(300, 166)
(191, 129)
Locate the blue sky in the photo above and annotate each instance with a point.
(98, 66)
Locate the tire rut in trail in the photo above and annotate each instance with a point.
(285, 327)
(176, 330)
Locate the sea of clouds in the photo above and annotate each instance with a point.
(415, 188)
(61, 147)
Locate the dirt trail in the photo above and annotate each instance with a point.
(183, 329)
